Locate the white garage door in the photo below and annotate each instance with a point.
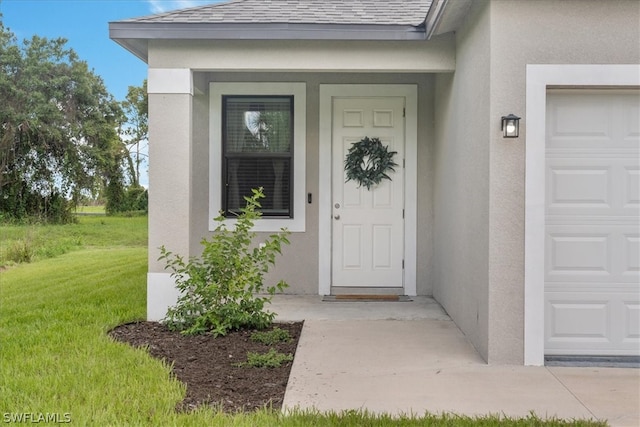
(592, 252)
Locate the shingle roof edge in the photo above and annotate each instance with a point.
(383, 12)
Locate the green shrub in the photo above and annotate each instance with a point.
(223, 289)
(274, 336)
(20, 205)
(271, 359)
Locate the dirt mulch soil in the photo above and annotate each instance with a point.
(207, 365)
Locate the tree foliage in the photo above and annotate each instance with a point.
(58, 128)
(136, 129)
(126, 194)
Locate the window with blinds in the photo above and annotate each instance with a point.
(257, 147)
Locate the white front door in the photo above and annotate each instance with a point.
(367, 225)
(592, 268)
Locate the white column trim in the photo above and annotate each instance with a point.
(539, 79)
(161, 294)
(170, 80)
(410, 93)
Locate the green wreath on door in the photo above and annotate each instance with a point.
(368, 162)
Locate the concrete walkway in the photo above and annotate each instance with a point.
(409, 357)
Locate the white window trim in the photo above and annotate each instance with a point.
(298, 90)
(539, 79)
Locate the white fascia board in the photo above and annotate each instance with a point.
(123, 31)
(434, 17)
(445, 16)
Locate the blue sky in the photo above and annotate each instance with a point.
(85, 24)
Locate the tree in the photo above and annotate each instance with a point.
(136, 129)
(58, 128)
(133, 130)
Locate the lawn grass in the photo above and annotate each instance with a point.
(28, 243)
(56, 357)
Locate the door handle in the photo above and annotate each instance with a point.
(336, 217)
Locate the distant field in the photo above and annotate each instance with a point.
(94, 210)
(28, 243)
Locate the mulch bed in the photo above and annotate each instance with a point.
(206, 365)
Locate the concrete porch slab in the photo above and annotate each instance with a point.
(312, 307)
(397, 358)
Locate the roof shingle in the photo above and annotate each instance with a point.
(340, 12)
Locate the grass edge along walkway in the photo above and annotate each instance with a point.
(55, 356)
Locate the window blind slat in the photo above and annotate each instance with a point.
(257, 152)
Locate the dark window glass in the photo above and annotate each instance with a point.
(257, 150)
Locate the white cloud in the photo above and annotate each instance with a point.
(160, 6)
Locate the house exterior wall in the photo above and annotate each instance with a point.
(494, 46)
(471, 181)
(312, 62)
(189, 200)
(591, 32)
(461, 182)
(302, 275)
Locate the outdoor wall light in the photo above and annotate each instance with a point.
(510, 126)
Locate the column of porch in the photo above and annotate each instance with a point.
(170, 143)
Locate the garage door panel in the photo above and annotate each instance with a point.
(592, 242)
(593, 119)
(604, 186)
(592, 322)
(631, 187)
(592, 253)
(629, 112)
(579, 123)
(632, 320)
(632, 260)
(579, 320)
(588, 186)
(577, 255)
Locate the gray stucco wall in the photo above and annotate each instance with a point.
(300, 271)
(545, 32)
(461, 182)
(170, 194)
(494, 46)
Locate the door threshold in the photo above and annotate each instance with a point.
(366, 298)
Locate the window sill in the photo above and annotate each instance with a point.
(267, 225)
